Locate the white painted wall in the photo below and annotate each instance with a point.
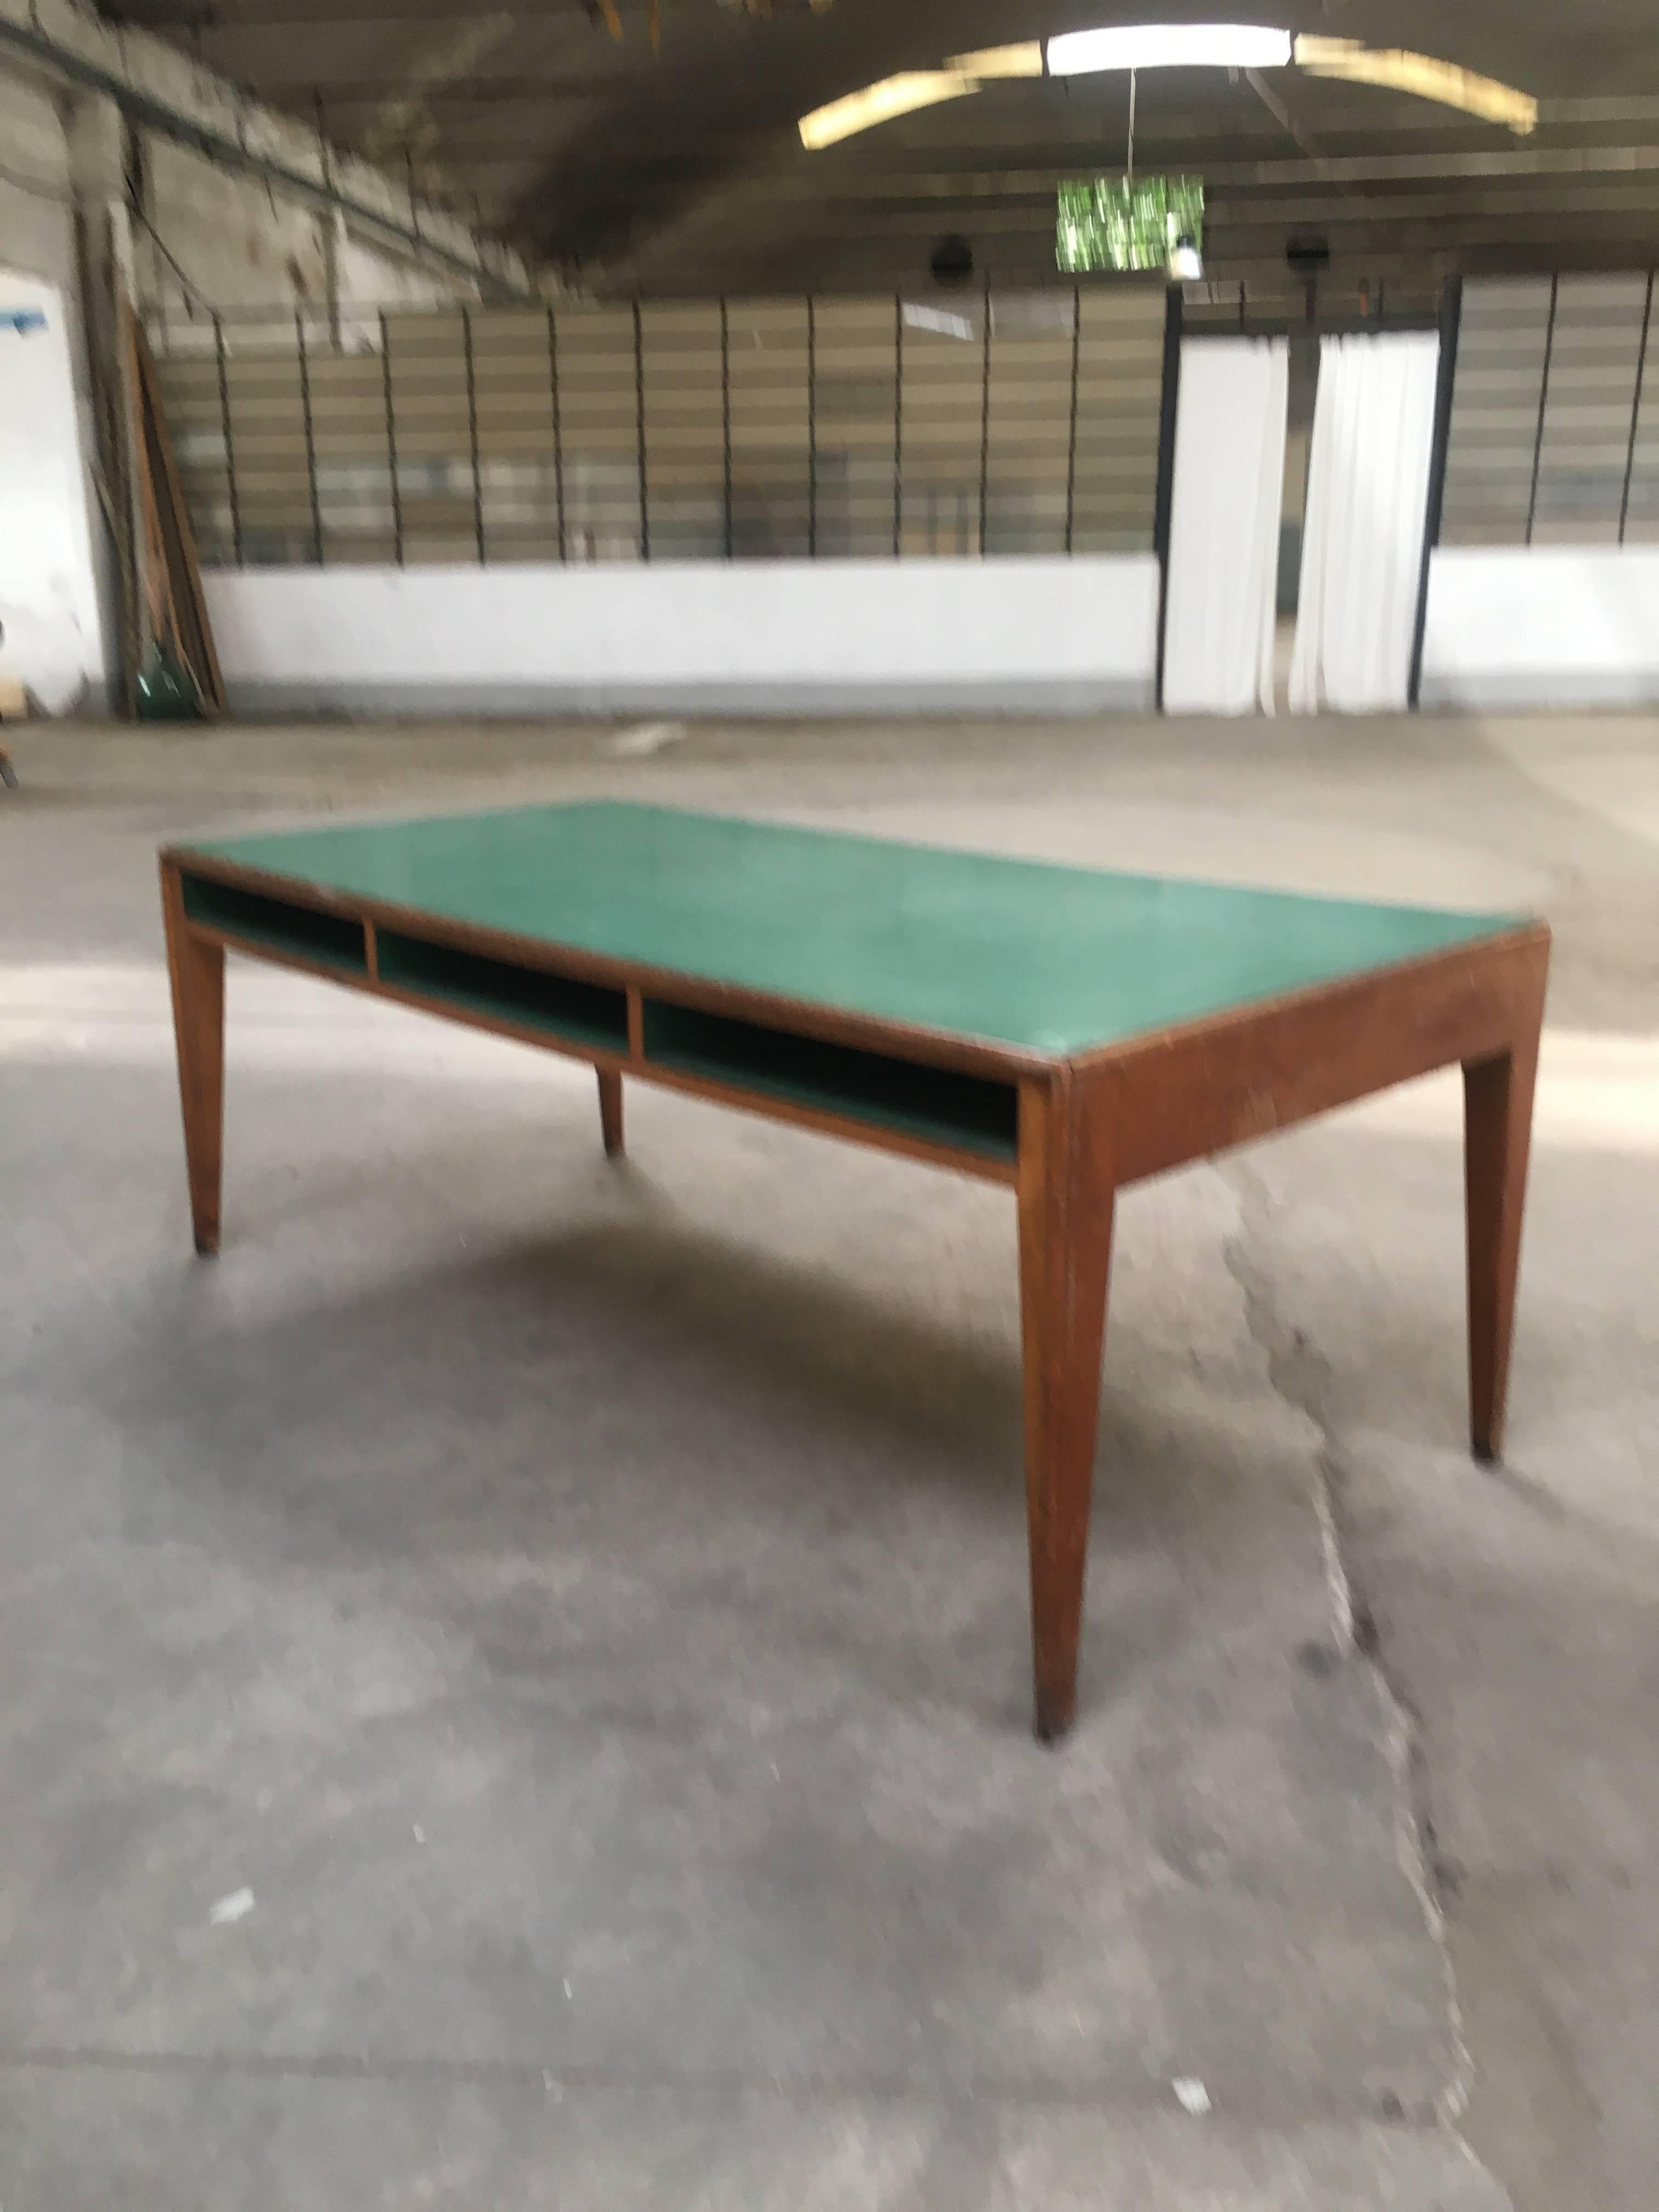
(50, 635)
(1542, 626)
(38, 136)
(988, 636)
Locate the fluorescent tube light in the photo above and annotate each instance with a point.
(1170, 45)
(1002, 61)
(1397, 70)
(881, 102)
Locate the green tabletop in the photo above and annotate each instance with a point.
(1050, 959)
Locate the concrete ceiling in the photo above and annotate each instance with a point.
(682, 172)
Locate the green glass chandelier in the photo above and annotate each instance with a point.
(1128, 222)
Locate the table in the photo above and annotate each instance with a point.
(1060, 1030)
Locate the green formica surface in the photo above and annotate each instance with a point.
(1052, 960)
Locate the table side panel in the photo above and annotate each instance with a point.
(1213, 1085)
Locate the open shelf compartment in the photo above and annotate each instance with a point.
(326, 941)
(532, 998)
(961, 1113)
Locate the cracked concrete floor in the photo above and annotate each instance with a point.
(587, 1607)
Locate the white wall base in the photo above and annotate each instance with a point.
(1542, 626)
(997, 636)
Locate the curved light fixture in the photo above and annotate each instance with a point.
(881, 102)
(1443, 82)
(1170, 45)
(1002, 61)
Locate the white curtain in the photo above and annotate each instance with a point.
(1223, 532)
(1362, 548)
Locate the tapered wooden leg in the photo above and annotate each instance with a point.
(1498, 1096)
(1065, 1195)
(196, 968)
(611, 1112)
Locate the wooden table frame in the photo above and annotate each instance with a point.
(1079, 1128)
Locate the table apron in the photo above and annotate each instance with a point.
(1218, 1084)
(633, 1062)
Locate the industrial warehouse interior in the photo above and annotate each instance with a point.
(829, 1106)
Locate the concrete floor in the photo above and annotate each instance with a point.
(586, 1606)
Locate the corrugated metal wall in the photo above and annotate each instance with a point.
(1555, 414)
(703, 431)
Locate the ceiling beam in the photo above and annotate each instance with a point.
(1362, 168)
(1333, 219)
